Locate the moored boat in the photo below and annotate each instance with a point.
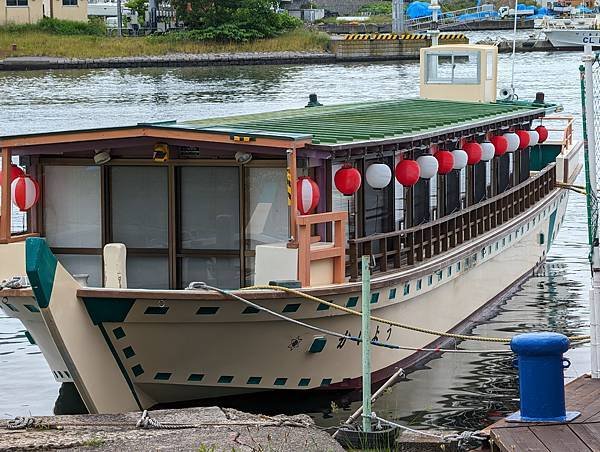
(207, 201)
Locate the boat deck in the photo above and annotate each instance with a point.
(582, 434)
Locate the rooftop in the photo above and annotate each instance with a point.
(326, 127)
(367, 121)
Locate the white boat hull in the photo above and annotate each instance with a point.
(572, 38)
(135, 352)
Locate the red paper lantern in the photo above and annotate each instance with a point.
(25, 192)
(523, 138)
(500, 145)
(15, 172)
(408, 172)
(347, 180)
(543, 132)
(307, 194)
(474, 152)
(445, 161)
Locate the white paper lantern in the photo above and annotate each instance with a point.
(378, 175)
(513, 141)
(460, 159)
(488, 151)
(534, 137)
(428, 165)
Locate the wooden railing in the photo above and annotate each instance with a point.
(309, 249)
(564, 128)
(398, 249)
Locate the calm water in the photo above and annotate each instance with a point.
(454, 391)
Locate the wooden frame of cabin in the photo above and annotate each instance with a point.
(406, 241)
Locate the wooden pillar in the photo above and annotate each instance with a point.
(470, 185)
(292, 197)
(5, 212)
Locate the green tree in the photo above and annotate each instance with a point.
(233, 20)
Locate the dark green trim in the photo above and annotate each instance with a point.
(31, 308)
(40, 265)
(207, 310)
(254, 380)
(108, 309)
(551, 229)
(352, 302)
(137, 370)
(304, 382)
(120, 364)
(29, 337)
(10, 306)
(156, 310)
(119, 332)
(292, 307)
(317, 345)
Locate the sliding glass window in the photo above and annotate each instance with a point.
(209, 222)
(140, 220)
(72, 218)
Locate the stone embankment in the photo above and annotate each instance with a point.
(198, 429)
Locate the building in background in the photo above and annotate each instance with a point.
(31, 11)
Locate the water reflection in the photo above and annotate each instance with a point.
(453, 391)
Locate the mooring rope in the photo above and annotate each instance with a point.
(465, 337)
(377, 343)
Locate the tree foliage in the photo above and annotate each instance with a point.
(233, 20)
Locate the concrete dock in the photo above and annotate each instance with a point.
(580, 435)
(209, 429)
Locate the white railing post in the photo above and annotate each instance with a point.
(588, 60)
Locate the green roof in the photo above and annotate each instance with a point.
(366, 121)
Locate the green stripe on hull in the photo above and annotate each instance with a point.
(40, 265)
(551, 229)
(108, 309)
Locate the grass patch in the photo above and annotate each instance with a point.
(93, 442)
(37, 43)
(34, 43)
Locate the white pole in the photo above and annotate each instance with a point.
(366, 343)
(588, 60)
(514, 51)
(434, 32)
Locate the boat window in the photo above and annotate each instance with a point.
(266, 206)
(341, 203)
(419, 284)
(430, 280)
(81, 264)
(139, 206)
(210, 225)
(72, 206)
(489, 65)
(446, 67)
(139, 219)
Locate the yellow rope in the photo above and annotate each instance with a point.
(392, 323)
(576, 188)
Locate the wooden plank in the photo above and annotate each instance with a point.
(517, 439)
(559, 438)
(5, 212)
(588, 433)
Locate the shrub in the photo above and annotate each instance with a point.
(61, 27)
(233, 20)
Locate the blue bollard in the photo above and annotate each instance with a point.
(541, 380)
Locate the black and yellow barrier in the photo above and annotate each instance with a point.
(405, 36)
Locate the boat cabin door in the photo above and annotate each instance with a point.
(459, 72)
